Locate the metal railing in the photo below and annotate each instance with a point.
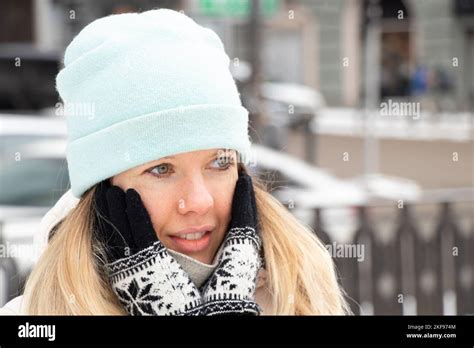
(412, 272)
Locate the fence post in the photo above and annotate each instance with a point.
(406, 234)
(386, 275)
(428, 273)
(464, 270)
(362, 270)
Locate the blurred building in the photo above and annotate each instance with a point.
(436, 34)
(426, 47)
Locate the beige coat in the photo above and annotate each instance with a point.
(17, 305)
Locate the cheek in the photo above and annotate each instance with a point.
(160, 208)
(223, 205)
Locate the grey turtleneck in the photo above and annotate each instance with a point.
(198, 271)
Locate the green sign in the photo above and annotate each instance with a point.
(236, 8)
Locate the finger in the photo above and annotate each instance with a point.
(101, 200)
(120, 235)
(103, 228)
(243, 202)
(253, 201)
(143, 232)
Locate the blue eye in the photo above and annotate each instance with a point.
(161, 169)
(224, 162)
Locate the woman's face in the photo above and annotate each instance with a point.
(188, 197)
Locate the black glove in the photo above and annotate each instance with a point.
(145, 277)
(231, 288)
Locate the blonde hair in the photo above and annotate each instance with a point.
(69, 277)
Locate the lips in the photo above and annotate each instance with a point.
(192, 236)
(194, 229)
(192, 239)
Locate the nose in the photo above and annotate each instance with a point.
(195, 196)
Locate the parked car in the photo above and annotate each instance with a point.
(287, 106)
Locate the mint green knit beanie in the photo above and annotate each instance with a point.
(138, 87)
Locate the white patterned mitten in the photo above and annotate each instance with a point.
(231, 288)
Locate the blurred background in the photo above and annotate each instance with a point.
(361, 113)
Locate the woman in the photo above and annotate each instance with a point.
(167, 219)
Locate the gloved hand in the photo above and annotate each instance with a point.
(231, 288)
(145, 277)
